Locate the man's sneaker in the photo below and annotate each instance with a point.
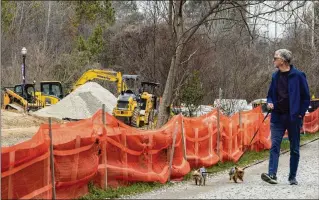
(293, 181)
(272, 179)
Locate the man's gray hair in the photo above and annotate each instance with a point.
(285, 54)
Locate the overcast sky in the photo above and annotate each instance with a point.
(282, 16)
(265, 25)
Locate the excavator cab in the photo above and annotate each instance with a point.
(149, 88)
(148, 102)
(129, 81)
(27, 92)
(50, 93)
(51, 88)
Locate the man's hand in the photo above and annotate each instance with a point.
(270, 106)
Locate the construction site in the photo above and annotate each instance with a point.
(134, 103)
(24, 110)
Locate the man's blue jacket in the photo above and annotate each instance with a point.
(298, 90)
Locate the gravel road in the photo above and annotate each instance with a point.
(218, 185)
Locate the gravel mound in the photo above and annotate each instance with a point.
(81, 103)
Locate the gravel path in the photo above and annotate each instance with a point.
(218, 186)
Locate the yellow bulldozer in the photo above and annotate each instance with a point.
(25, 97)
(138, 108)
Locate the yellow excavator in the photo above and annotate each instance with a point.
(25, 97)
(127, 108)
(101, 74)
(137, 109)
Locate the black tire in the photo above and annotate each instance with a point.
(135, 117)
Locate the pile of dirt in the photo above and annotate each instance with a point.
(81, 103)
(17, 127)
(15, 119)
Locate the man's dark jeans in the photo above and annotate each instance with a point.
(278, 129)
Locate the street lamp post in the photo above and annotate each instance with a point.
(24, 54)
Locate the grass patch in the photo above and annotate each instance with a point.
(141, 187)
(112, 193)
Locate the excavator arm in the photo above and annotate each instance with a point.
(101, 75)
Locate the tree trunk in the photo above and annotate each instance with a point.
(164, 110)
(47, 27)
(154, 40)
(170, 18)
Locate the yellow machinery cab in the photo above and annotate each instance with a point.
(51, 92)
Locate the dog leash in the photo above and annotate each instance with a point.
(269, 111)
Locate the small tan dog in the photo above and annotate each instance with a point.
(198, 177)
(236, 173)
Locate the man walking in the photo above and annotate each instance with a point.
(289, 99)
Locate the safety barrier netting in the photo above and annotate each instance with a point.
(114, 154)
(311, 122)
(25, 169)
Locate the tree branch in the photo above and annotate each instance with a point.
(296, 14)
(195, 28)
(272, 11)
(190, 56)
(243, 18)
(180, 84)
(213, 8)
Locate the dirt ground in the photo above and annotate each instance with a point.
(17, 127)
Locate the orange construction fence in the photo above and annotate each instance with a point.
(311, 122)
(25, 169)
(201, 140)
(114, 154)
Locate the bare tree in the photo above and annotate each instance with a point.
(184, 36)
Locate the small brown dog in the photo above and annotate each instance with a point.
(236, 173)
(198, 177)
